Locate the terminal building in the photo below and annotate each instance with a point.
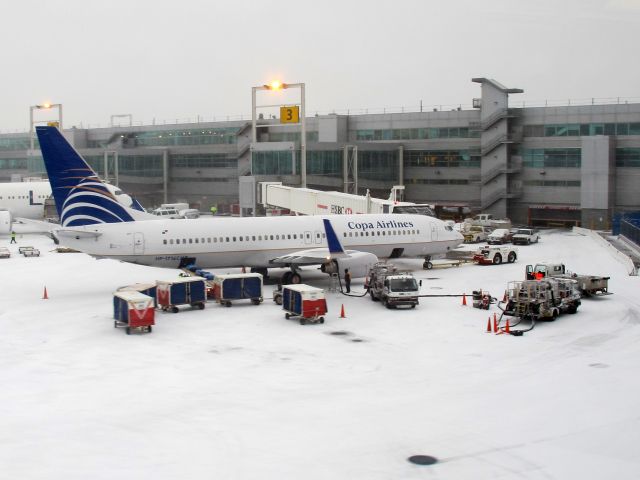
(548, 165)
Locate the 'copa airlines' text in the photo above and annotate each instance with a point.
(379, 224)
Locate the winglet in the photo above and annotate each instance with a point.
(335, 247)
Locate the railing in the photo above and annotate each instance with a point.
(489, 121)
(488, 148)
(490, 200)
(361, 111)
(493, 173)
(502, 193)
(630, 230)
(499, 170)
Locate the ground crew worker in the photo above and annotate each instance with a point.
(347, 280)
(13, 237)
(214, 210)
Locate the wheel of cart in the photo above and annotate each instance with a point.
(256, 301)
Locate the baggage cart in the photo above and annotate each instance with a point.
(305, 302)
(133, 310)
(182, 291)
(29, 251)
(239, 286)
(146, 288)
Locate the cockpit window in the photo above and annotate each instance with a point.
(448, 228)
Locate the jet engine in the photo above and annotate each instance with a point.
(5, 222)
(358, 264)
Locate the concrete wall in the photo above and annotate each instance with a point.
(597, 191)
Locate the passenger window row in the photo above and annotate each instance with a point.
(379, 233)
(240, 238)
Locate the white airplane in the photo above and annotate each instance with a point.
(22, 200)
(95, 223)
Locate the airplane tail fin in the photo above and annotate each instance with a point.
(335, 247)
(81, 197)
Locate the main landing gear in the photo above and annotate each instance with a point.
(427, 265)
(262, 271)
(291, 278)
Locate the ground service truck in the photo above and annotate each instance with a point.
(391, 287)
(588, 284)
(542, 299)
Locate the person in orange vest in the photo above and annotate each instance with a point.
(539, 275)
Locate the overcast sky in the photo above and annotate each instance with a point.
(175, 59)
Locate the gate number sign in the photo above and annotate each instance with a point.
(290, 114)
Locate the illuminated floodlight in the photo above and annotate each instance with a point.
(276, 85)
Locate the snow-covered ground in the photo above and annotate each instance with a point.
(242, 393)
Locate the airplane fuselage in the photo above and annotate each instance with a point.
(255, 241)
(25, 199)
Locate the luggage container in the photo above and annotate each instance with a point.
(304, 301)
(182, 291)
(146, 288)
(133, 310)
(239, 286)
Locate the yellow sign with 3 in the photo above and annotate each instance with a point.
(290, 114)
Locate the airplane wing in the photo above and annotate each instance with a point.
(313, 256)
(65, 232)
(320, 255)
(28, 225)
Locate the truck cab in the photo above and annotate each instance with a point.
(525, 236)
(393, 288)
(546, 269)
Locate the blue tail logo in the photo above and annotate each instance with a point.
(81, 197)
(335, 247)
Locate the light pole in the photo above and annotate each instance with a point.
(44, 106)
(292, 117)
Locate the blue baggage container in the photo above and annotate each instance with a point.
(241, 286)
(184, 291)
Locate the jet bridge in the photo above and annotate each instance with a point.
(306, 201)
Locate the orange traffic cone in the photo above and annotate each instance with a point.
(44, 295)
(495, 323)
(342, 315)
(244, 270)
(366, 282)
(464, 300)
(506, 327)
(489, 325)
(504, 299)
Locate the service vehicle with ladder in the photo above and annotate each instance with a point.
(542, 299)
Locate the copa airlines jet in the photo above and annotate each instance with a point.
(95, 223)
